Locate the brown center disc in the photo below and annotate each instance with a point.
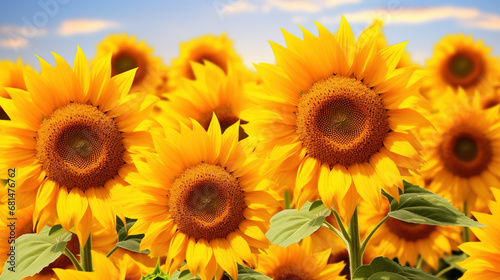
(341, 121)
(124, 61)
(409, 231)
(226, 118)
(290, 272)
(464, 68)
(200, 55)
(80, 147)
(465, 151)
(206, 202)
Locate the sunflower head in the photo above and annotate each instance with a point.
(203, 201)
(71, 133)
(215, 49)
(408, 241)
(212, 92)
(461, 155)
(298, 262)
(128, 53)
(339, 116)
(460, 62)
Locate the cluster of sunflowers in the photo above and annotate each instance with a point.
(126, 168)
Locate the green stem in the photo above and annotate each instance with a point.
(355, 253)
(341, 226)
(419, 262)
(112, 251)
(466, 232)
(86, 255)
(73, 259)
(442, 272)
(365, 242)
(340, 234)
(287, 200)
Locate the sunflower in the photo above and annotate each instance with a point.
(216, 49)
(11, 75)
(458, 61)
(484, 256)
(71, 136)
(337, 117)
(462, 154)
(297, 262)
(125, 268)
(212, 92)
(200, 200)
(128, 53)
(406, 241)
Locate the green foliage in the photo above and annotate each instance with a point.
(128, 242)
(420, 206)
(34, 252)
(385, 269)
(245, 273)
(290, 226)
(156, 274)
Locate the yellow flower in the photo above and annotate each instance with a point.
(125, 268)
(406, 241)
(458, 61)
(336, 117)
(212, 92)
(71, 136)
(462, 158)
(11, 75)
(128, 53)
(200, 200)
(484, 256)
(298, 263)
(216, 49)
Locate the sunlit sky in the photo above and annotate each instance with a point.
(44, 26)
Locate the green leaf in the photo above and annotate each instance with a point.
(132, 243)
(184, 275)
(156, 274)
(290, 226)
(34, 252)
(420, 206)
(385, 269)
(245, 273)
(452, 261)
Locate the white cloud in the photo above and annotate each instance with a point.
(15, 43)
(238, 8)
(84, 26)
(22, 31)
(308, 6)
(486, 21)
(414, 15)
(469, 17)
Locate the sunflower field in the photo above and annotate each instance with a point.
(344, 159)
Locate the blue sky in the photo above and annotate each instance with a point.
(43, 26)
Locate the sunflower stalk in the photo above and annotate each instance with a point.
(354, 249)
(466, 233)
(86, 255)
(73, 259)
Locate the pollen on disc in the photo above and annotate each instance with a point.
(80, 147)
(341, 121)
